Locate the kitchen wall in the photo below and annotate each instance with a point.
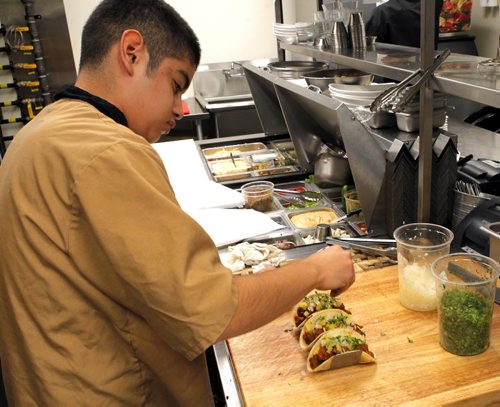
(241, 30)
(228, 30)
(485, 25)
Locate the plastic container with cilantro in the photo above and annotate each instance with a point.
(465, 286)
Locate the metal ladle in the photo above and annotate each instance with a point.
(310, 196)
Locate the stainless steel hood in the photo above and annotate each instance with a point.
(384, 165)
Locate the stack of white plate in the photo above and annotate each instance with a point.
(293, 33)
(285, 33)
(357, 95)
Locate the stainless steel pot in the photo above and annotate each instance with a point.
(324, 77)
(295, 69)
(331, 168)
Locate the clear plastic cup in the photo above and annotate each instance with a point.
(258, 195)
(418, 245)
(466, 287)
(352, 203)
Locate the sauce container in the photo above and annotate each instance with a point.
(258, 195)
(465, 285)
(418, 245)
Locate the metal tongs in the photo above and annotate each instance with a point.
(366, 245)
(395, 98)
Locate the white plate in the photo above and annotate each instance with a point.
(279, 31)
(372, 90)
(284, 26)
(352, 100)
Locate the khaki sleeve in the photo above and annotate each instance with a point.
(154, 260)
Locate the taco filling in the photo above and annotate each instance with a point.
(327, 322)
(316, 302)
(329, 346)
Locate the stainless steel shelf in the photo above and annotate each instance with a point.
(458, 75)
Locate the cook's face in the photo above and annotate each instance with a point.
(159, 104)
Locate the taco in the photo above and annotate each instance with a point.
(323, 321)
(333, 343)
(313, 303)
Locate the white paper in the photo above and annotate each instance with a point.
(226, 226)
(187, 173)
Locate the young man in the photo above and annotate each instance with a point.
(109, 292)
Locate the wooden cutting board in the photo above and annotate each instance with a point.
(411, 366)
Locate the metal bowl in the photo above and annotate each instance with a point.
(295, 69)
(324, 77)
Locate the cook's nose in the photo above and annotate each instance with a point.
(178, 109)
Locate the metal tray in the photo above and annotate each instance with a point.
(283, 145)
(276, 171)
(284, 240)
(382, 120)
(409, 122)
(312, 225)
(220, 153)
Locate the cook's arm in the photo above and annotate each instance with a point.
(264, 296)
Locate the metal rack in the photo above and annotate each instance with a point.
(458, 76)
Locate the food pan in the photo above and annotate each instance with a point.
(282, 240)
(307, 219)
(276, 170)
(409, 122)
(218, 153)
(413, 106)
(382, 120)
(267, 159)
(337, 230)
(226, 167)
(233, 176)
(297, 186)
(283, 145)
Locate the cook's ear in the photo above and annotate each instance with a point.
(132, 49)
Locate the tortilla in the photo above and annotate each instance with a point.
(313, 303)
(323, 321)
(333, 343)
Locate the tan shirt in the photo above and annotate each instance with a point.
(109, 292)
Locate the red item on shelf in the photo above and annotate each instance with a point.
(185, 107)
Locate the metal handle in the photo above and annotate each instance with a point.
(395, 98)
(409, 92)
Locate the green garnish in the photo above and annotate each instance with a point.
(409, 340)
(465, 321)
(382, 333)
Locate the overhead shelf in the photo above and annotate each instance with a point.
(458, 75)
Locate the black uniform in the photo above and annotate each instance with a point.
(398, 22)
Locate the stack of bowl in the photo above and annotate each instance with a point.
(324, 78)
(357, 95)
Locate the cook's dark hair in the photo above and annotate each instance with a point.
(166, 34)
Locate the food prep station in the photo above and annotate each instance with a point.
(298, 123)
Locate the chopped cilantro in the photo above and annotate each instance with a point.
(465, 322)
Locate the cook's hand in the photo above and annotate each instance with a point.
(334, 267)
